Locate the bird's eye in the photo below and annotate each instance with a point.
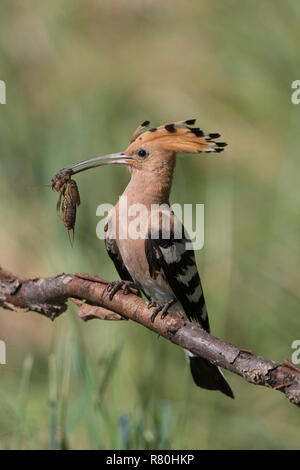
(142, 153)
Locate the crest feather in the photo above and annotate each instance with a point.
(139, 131)
(178, 137)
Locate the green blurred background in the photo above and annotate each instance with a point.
(80, 76)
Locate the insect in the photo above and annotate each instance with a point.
(68, 198)
(59, 180)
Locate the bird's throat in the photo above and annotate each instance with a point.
(149, 188)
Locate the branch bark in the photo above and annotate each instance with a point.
(49, 297)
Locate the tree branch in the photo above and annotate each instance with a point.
(49, 296)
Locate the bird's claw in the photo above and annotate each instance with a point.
(151, 304)
(128, 287)
(163, 308)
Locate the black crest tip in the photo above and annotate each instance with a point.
(190, 122)
(170, 128)
(198, 132)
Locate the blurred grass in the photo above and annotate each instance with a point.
(80, 76)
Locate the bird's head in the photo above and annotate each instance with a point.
(155, 150)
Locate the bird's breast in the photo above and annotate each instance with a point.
(133, 254)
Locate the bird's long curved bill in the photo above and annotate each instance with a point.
(110, 159)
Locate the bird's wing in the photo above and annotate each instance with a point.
(114, 254)
(112, 248)
(176, 261)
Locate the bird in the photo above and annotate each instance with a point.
(161, 264)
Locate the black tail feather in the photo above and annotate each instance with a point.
(207, 375)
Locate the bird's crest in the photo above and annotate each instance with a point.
(178, 136)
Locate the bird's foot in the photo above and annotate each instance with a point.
(128, 287)
(163, 308)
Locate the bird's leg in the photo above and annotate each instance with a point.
(163, 308)
(128, 287)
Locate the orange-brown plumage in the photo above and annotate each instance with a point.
(178, 137)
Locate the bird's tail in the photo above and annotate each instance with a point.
(207, 375)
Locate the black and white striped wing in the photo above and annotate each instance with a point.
(178, 265)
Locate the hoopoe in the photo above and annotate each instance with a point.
(163, 268)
